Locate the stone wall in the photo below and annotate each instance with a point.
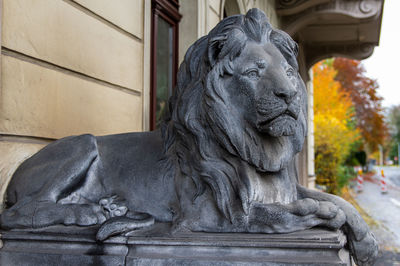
(70, 67)
(199, 17)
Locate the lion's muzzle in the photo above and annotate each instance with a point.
(276, 118)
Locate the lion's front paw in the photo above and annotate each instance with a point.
(331, 215)
(17, 217)
(298, 215)
(112, 207)
(323, 212)
(364, 251)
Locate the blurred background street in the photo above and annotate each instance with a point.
(384, 209)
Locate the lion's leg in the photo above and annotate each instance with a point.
(299, 215)
(55, 172)
(42, 214)
(68, 214)
(123, 224)
(362, 242)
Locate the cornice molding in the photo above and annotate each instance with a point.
(297, 14)
(318, 53)
(291, 7)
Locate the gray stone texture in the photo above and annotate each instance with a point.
(309, 247)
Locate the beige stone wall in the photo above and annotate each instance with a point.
(200, 16)
(214, 13)
(217, 7)
(70, 67)
(268, 6)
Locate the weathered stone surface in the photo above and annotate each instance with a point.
(215, 5)
(126, 14)
(37, 101)
(213, 19)
(60, 33)
(310, 247)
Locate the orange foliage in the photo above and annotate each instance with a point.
(329, 99)
(363, 93)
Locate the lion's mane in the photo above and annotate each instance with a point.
(199, 130)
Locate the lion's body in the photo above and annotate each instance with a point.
(107, 167)
(224, 160)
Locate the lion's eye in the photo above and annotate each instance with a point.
(253, 74)
(290, 72)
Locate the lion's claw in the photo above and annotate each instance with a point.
(364, 251)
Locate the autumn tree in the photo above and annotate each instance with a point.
(367, 104)
(334, 124)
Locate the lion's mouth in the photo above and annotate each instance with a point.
(283, 124)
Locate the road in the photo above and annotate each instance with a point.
(385, 209)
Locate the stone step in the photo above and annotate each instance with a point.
(309, 247)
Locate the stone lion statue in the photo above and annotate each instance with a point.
(223, 160)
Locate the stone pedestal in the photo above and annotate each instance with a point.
(310, 247)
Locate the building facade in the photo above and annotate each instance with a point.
(70, 67)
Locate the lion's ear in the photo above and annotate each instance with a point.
(215, 47)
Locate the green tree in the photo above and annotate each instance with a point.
(393, 118)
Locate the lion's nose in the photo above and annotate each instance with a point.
(286, 93)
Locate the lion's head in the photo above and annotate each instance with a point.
(239, 95)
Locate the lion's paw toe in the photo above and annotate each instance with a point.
(327, 210)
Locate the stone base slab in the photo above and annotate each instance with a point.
(309, 247)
